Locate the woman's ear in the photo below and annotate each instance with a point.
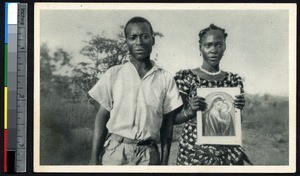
(200, 44)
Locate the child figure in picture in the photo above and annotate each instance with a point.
(228, 128)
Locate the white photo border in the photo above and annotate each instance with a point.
(290, 168)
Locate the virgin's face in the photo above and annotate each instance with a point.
(218, 105)
(213, 47)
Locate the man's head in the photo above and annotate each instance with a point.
(138, 20)
(139, 38)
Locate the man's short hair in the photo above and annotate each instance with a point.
(138, 19)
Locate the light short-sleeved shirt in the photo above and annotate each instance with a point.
(136, 105)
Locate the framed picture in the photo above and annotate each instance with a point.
(220, 123)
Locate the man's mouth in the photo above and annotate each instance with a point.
(139, 50)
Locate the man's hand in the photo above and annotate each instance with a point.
(100, 133)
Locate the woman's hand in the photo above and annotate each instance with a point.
(239, 102)
(197, 104)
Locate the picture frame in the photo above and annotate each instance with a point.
(220, 123)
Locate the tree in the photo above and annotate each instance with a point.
(51, 83)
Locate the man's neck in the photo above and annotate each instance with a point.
(142, 66)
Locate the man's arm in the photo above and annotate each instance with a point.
(166, 136)
(100, 132)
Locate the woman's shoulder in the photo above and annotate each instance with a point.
(183, 74)
(184, 71)
(232, 76)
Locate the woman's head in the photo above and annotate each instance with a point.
(212, 44)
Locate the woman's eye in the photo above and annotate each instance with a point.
(207, 45)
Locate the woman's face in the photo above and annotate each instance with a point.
(213, 47)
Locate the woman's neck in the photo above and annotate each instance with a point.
(210, 68)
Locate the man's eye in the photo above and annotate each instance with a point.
(132, 37)
(220, 45)
(145, 36)
(207, 45)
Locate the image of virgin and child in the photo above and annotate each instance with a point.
(218, 118)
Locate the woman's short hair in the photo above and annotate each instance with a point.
(210, 28)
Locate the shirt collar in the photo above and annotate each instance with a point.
(154, 68)
(154, 65)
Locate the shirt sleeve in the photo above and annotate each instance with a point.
(183, 81)
(102, 91)
(172, 99)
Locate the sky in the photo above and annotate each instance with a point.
(257, 42)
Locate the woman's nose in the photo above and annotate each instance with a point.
(214, 49)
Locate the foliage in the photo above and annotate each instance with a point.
(52, 83)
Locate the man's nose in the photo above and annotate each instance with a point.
(139, 40)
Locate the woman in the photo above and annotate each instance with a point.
(212, 47)
(217, 121)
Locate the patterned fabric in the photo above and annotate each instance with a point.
(191, 154)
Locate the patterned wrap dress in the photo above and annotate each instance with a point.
(191, 154)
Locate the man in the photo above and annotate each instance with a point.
(137, 103)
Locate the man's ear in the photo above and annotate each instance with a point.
(153, 39)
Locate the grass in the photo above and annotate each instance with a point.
(67, 131)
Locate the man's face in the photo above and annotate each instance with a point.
(139, 40)
(212, 47)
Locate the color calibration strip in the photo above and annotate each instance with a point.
(15, 87)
